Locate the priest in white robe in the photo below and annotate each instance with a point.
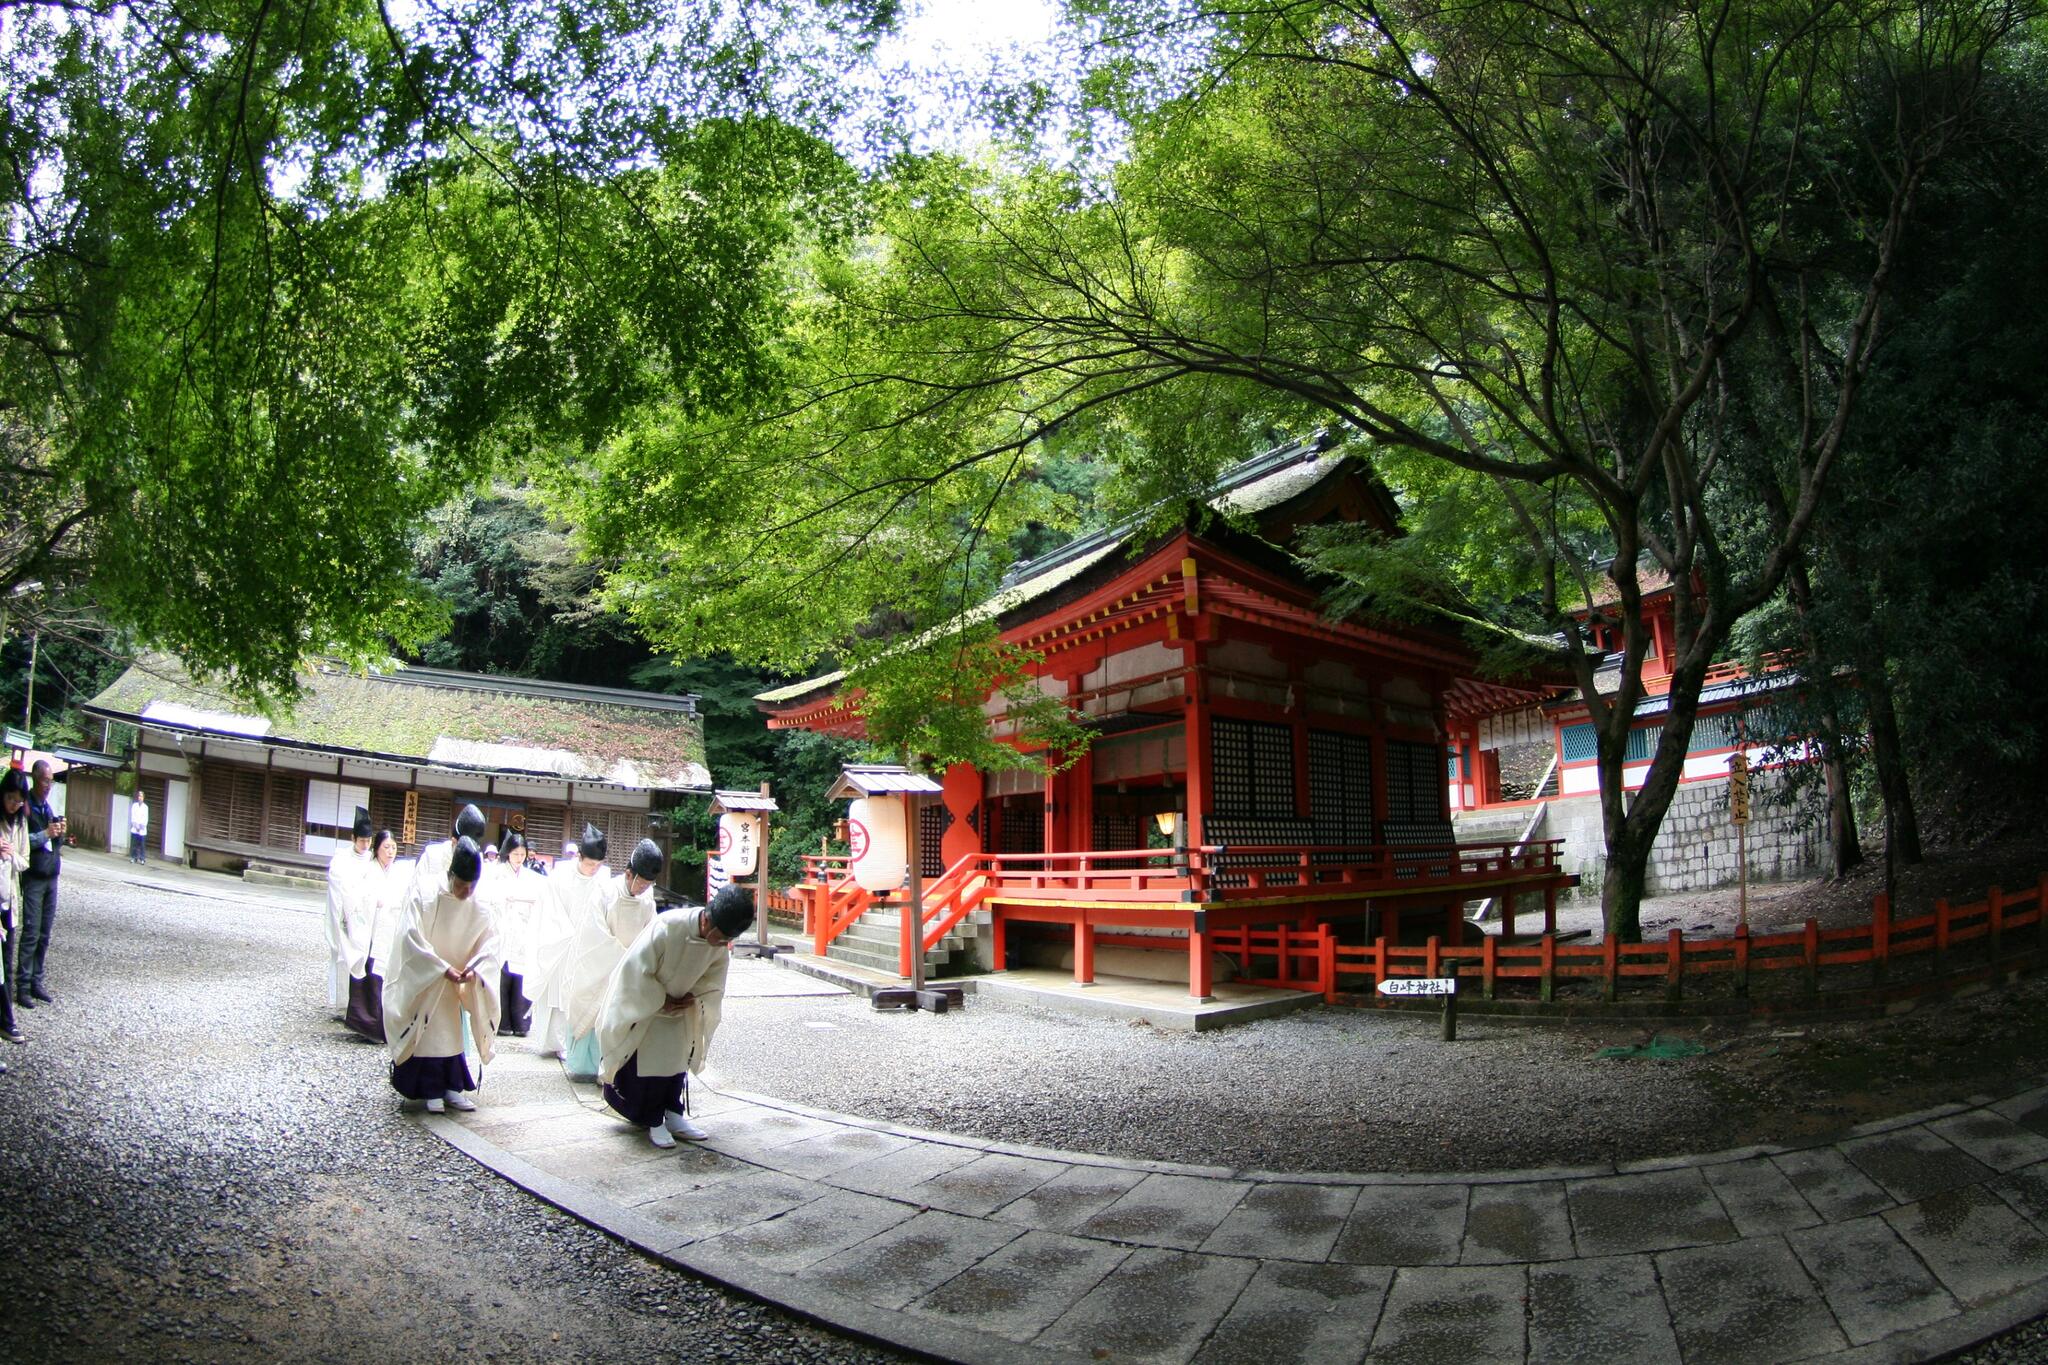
(601, 940)
(579, 888)
(348, 918)
(444, 975)
(661, 1011)
(380, 898)
(511, 893)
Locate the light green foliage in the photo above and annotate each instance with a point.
(276, 280)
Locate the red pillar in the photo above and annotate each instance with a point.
(1084, 952)
(1200, 984)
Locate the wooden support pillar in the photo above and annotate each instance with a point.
(1549, 909)
(1000, 941)
(1084, 952)
(1201, 985)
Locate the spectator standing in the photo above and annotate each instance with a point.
(39, 889)
(138, 827)
(13, 862)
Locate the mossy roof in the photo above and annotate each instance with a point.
(440, 719)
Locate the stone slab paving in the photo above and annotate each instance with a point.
(1904, 1240)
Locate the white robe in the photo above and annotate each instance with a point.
(512, 897)
(601, 940)
(669, 958)
(385, 888)
(430, 872)
(423, 1009)
(571, 898)
(351, 916)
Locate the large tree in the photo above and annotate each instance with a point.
(277, 276)
(1602, 259)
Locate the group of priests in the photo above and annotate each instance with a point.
(436, 961)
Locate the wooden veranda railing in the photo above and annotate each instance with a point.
(1220, 873)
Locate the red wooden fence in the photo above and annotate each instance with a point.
(1313, 959)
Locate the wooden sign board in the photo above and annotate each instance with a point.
(409, 834)
(1420, 985)
(1738, 788)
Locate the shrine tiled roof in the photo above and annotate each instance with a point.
(1246, 490)
(441, 719)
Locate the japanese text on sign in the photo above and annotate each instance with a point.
(1420, 985)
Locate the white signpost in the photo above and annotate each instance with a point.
(1419, 985)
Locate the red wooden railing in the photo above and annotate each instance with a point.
(833, 900)
(1312, 959)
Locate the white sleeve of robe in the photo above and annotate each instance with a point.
(423, 1009)
(670, 958)
(387, 889)
(570, 899)
(351, 908)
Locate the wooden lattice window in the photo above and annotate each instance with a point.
(933, 820)
(1415, 782)
(1340, 786)
(287, 812)
(543, 832)
(1254, 767)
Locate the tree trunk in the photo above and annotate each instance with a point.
(1888, 755)
(1845, 848)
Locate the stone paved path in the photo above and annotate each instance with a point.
(1904, 1240)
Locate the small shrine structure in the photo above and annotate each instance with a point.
(1256, 762)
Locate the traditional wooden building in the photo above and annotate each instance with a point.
(1292, 765)
(233, 788)
(1532, 766)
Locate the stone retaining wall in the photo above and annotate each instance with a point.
(1696, 847)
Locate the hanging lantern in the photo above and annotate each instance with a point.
(877, 849)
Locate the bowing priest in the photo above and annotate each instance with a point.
(443, 977)
(430, 869)
(661, 1010)
(601, 940)
(351, 914)
(579, 888)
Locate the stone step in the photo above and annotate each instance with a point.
(274, 874)
(890, 935)
(935, 964)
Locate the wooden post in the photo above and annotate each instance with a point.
(1674, 967)
(1610, 960)
(1812, 948)
(1001, 941)
(1880, 937)
(1379, 968)
(1451, 966)
(1549, 909)
(761, 879)
(1941, 916)
(1432, 957)
(1548, 989)
(1994, 902)
(1326, 949)
(1507, 914)
(1084, 951)
(913, 904)
(1742, 959)
(1201, 982)
(1489, 964)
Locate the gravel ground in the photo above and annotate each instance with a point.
(201, 1165)
(1364, 1090)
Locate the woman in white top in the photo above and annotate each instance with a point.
(14, 790)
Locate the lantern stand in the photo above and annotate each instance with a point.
(879, 779)
(755, 806)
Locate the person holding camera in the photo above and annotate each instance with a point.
(39, 889)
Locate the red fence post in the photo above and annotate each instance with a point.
(1433, 957)
(1489, 948)
(1880, 937)
(1812, 957)
(1379, 967)
(1994, 901)
(1742, 959)
(1326, 954)
(2041, 911)
(1610, 961)
(1548, 988)
(1674, 966)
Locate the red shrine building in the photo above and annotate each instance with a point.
(1255, 763)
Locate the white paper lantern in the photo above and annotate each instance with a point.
(739, 842)
(875, 840)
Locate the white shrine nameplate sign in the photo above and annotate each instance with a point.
(1419, 985)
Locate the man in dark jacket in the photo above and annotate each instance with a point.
(39, 889)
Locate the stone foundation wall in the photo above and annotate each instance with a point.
(1696, 846)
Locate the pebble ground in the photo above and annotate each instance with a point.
(199, 1164)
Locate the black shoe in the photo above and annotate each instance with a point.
(14, 1035)
(39, 993)
(22, 1002)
